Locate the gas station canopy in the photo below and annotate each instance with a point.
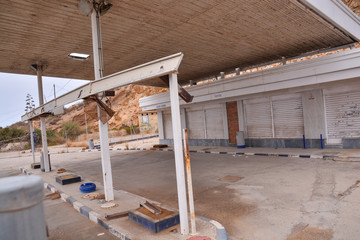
(214, 35)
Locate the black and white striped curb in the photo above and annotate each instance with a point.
(116, 149)
(230, 153)
(86, 211)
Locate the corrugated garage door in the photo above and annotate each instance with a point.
(214, 118)
(288, 116)
(258, 118)
(342, 116)
(195, 122)
(211, 116)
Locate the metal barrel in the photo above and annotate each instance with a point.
(21, 208)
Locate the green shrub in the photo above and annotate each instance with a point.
(71, 128)
(10, 133)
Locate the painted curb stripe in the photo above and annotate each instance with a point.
(84, 210)
(261, 154)
(232, 153)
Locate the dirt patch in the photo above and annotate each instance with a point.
(304, 232)
(223, 205)
(230, 179)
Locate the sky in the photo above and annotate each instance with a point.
(15, 87)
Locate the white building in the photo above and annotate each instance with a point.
(274, 107)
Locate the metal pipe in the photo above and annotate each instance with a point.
(321, 141)
(42, 120)
(32, 140)
(86, 129)
(304, 141)
(178, 152)
(189, 182)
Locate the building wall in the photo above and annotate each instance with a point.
(283, 118)
(233, 120)
(276, 107)
(152, 124)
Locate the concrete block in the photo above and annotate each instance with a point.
(152, 222)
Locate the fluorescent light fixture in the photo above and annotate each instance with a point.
(79, 56)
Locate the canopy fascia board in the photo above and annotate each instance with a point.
(327, 69)
(338, 14)
(145, 74)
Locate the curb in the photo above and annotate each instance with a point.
(84, 210)
(326, 157)
(220, 230)
(231, 153)
(96, 217)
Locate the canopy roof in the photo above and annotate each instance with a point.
(214, 35)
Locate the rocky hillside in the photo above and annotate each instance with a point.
(125, 104)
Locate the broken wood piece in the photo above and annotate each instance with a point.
(116, 215)
(152, 208)
(61, 170)
(53, 195)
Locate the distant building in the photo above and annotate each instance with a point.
(148, 121)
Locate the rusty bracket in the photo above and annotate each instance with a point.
(185, 95)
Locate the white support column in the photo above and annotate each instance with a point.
(32, 140)
(42, 120)
(160, 125)
(178, 151)
(103, 128)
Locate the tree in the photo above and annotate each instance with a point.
(29, 105)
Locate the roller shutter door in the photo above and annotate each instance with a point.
(342, 116)
(214, 118)
(258, 118)
(288, 117)
(195, 123)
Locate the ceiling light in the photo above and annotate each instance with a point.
(79, 56)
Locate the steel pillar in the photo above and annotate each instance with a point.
(32, 140)
(103, 128)
(178, 151)
(42, 119)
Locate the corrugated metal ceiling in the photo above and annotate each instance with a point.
(214, 35)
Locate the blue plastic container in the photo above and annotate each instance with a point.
(87, 187)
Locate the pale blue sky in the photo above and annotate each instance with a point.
(15, 87)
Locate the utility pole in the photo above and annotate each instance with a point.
(54, 92)
(86, 128)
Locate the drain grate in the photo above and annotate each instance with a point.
(230, 179)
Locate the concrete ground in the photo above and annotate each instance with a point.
(254, 197)
(65, 223)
